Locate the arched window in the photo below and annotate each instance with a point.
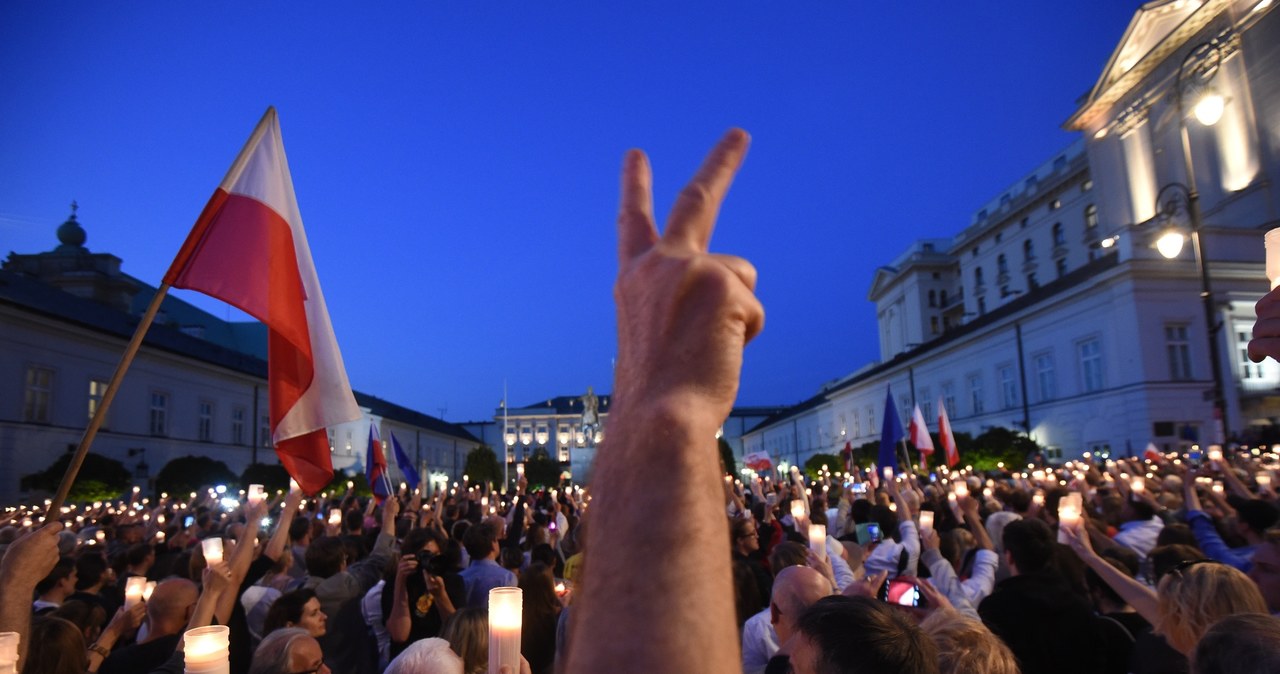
(1090, 216)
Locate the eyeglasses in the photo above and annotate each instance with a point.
(1188, 563)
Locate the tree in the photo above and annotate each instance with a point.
(99, 479)
(191, 473)
(727, 462)
(813, 465)
(999, 444)
(483, 466)
(540, 470)
(272, 477)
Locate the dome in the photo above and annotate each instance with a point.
(70, 234)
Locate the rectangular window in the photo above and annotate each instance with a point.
(159, 413)
(237, 426)
(37, 397)
(975, 394)
(204, 425)
(1046, 381)
(949, 396)
(926, 404)
(1008, 387)
(1178, 349)
(97, 389)
(264, 432)
(857, 425)
(1090, 352)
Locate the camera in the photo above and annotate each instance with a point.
(432, 563)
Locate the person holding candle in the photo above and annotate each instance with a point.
(1140, 526)
(170, 608)
(54, 588)
(1254, 517)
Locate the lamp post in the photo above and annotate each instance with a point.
(1195, 73)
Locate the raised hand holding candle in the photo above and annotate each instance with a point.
(294, 486)
(207, 650)
(818, 540)
(961, 488)
(1070, 508)
(335, 516)
(1138, 485)
(506, 607)
(212, 548)
(256, 494)
(926, 519)
(797, 510)
(1215, 455)
(888, 474)
(134, 588)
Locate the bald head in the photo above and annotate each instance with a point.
(795, 588)
(170, 606)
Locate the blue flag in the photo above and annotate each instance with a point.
(407, 468)
(890, 433)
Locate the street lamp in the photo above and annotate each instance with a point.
(1195, 76)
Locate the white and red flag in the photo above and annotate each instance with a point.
(918, 434)
(948, 441)
(758, 461)
(249, 250)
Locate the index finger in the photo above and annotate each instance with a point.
(693, 217)
(636, 229)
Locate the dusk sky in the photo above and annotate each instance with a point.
(456, 163)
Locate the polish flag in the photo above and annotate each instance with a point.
(946, 438)
(375, 467)
(249, 250)
(918, 433)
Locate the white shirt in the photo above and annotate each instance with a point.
(759, 642)
(1140, 535)
(885, 556)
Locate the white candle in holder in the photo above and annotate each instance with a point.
(797, 510)
(888, 473)
(9, 652)
(256, 494)
(207, 650)
(212, 548)
(961, 488)
(1215, 454)
(926, 519)
(134, 587)
(1138, 485)
(519, 469)
(506, 607)
(1070, 508)
(1271, 241)
(818, 540)
(1264, 480)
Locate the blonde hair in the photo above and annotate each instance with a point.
(1195, 595)
(966, 646)
(467, 632)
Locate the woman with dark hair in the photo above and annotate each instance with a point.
(299, 608)
(541, 613)
(424, 590)
(57, 647)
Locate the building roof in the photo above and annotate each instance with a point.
(560, 405)
(28, 294)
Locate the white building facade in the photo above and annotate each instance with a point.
(1052, 313)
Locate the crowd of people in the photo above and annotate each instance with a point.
(1169, 562)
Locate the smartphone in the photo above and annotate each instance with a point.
(186, 523)
(859, 487)
(771, 499)
(902, 593)
(874, 534)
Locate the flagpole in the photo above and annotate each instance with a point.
(503, 440)
(100, 414)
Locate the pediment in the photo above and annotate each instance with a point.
(1152, 23)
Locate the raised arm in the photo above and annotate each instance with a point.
(280, 537)
(684, 316)
(26, 562)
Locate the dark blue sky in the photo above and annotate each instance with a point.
(456, 162)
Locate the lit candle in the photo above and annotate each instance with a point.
(961, 488)
(519, 469)
(986, 492)
(797, 509)
(335, 517)
(134, 587)
(1217, 487)
(888, 473)
(560, 589)
(1215, 454)
(294, 486)
(818, 540)
(926, 519)
(159, 536)
(1264, 480)
(1069, 511)
(506, 605)
(1138, 485)
(9, 652)
(207, 650)
(146, 592)
(212, 548)
(1038, 499)
(256, 494)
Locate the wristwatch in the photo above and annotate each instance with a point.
(97, 648)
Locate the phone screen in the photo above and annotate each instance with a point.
(873, 530)
(189, 521)
(860, 488)
(901, 592)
